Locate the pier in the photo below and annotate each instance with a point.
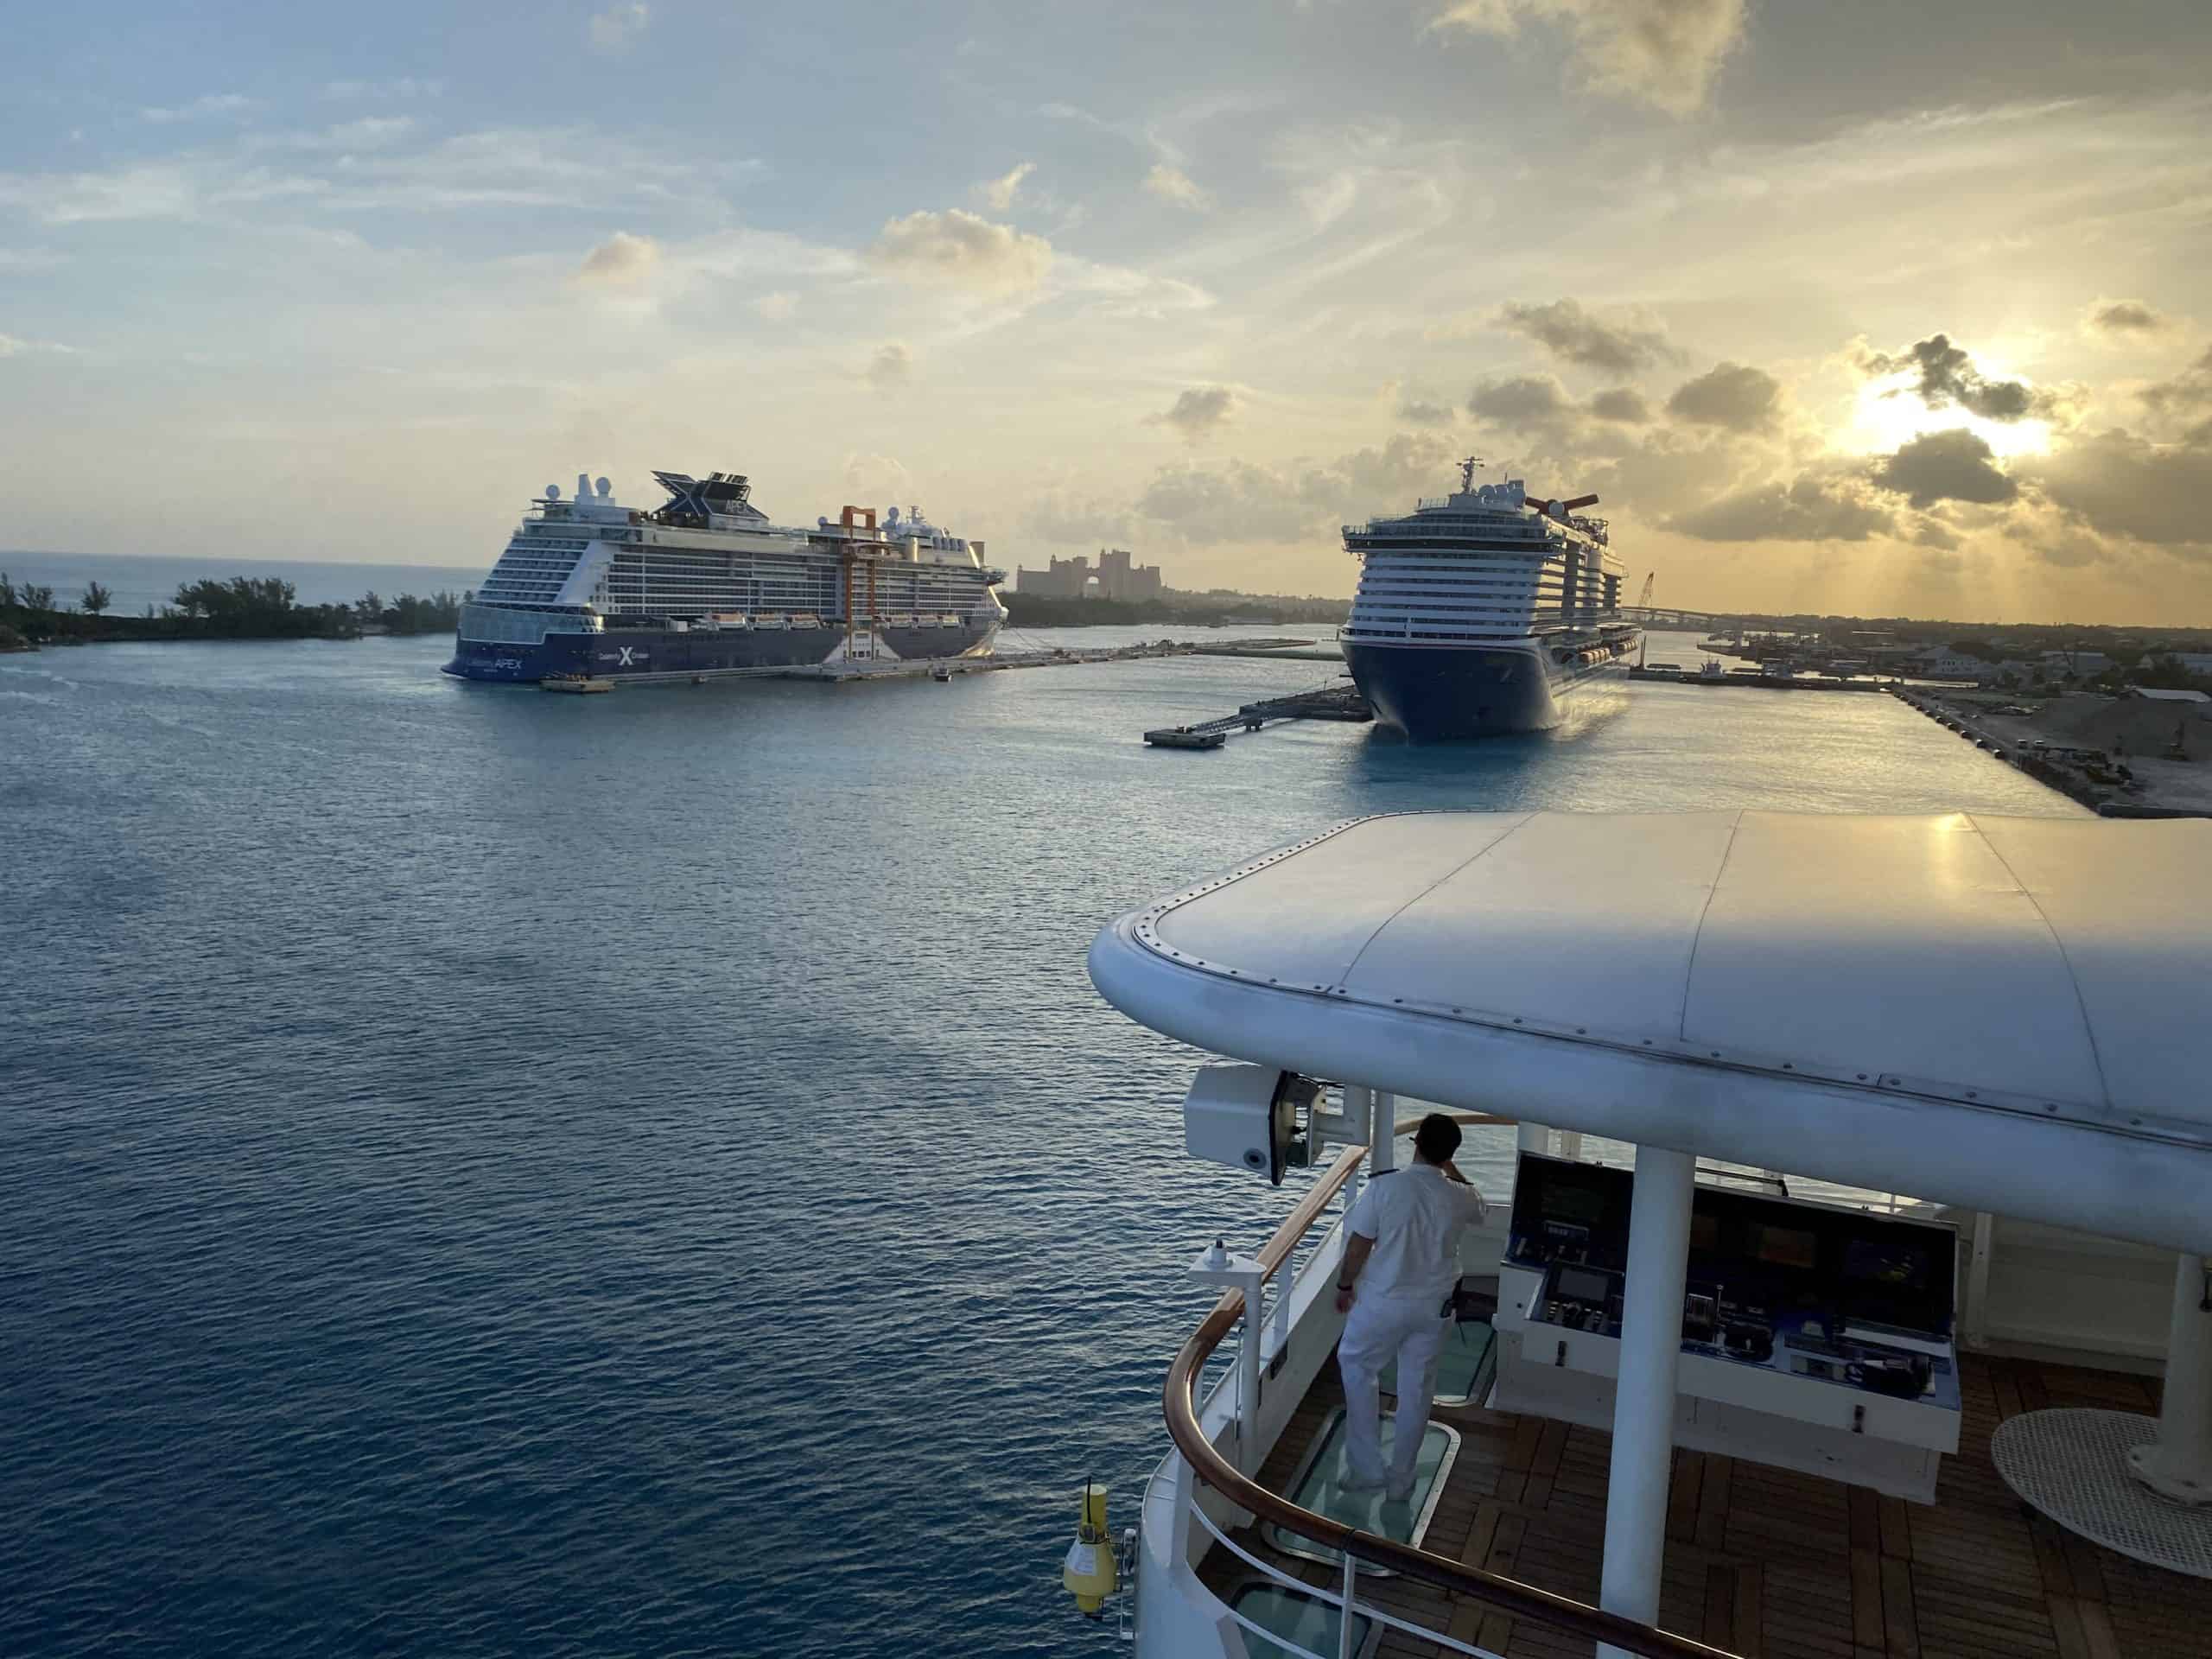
(1331, 701)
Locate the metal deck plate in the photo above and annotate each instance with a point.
(2072, 1466)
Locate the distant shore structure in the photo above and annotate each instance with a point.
(1116, 577)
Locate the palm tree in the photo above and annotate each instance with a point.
(97, 598)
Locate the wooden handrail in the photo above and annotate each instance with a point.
(1510, 1596)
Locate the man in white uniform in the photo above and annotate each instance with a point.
(1400, 1263)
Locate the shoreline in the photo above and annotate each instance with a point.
(2076, 758)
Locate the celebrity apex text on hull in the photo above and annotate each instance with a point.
(1477, 612)
(705, 584)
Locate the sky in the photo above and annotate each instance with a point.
(1874, 308)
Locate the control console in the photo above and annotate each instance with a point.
(1801, 1289)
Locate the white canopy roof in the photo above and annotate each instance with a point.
(2010, 1013)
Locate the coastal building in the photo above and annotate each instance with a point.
(1955, 665)
(1117, 575)
(2194, 703)
(2080, 663)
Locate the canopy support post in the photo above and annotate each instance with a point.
(1644, 1404)
(2178, 1464)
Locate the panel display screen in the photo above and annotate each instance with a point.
(1783, 1247)
(1892, 1266)
(1581, 1285)
(1575, 1203)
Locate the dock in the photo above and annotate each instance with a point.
(1762, 682)
(1331, 701)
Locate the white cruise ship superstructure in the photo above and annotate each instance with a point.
(1478, 611)
(707, 584)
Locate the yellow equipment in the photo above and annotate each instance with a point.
(1090, 1574)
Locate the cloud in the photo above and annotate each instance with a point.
(998, 194)
(622, 261)
(1809, 509)
(1060, 517)
(2184, 401)
(1733, 396)
(200, 108)
(878, 478)
(401, 86)
(1624, 405)
(1570, 333)
(1199, 412)
(10, 346)
(1419, 411)
(958, 248)
(1945, 375)
(614, 30)
(1662, 52)
(1174, 184)
(1234, 502)
(891, 366)
(778, 307)
(1524, 400)
(2123, 484)
(2126, 317)
(1952, 464)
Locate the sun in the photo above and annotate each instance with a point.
(1890, 414)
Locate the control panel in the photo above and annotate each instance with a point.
(1798, 1289)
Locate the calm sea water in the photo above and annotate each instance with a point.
(483, 1173)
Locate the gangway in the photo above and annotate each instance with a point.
(1327, 701)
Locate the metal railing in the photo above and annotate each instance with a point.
(1509, 1596)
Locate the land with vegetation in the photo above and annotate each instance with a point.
(243, 607)
(1218, 605)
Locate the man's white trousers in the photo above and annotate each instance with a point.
(1405, 1328)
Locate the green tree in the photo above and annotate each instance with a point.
(97, 598)
(7, 593)
(35, 597)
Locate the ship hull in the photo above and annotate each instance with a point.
(1438, 694)
(650, 654)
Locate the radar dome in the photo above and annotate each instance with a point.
(552, 491)
(604, 489)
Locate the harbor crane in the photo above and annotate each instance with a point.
(1643, 604)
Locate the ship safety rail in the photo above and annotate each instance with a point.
(1517, 1599)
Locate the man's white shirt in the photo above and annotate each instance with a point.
(1413, 1215)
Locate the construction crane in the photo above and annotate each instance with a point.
(1643, 604)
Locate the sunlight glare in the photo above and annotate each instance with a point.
(1890, 414)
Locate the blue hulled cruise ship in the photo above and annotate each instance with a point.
(1476, 613)
(706, 585)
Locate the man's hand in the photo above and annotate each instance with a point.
(1344, 1299)
(1451, 1170)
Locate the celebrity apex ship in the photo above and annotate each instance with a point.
(706, 585)
(1477, 612)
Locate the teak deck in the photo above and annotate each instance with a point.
(1768, 1563)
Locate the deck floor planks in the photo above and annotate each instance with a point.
(1768, 1562)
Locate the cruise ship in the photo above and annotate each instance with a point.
(1710, 1385)
(1479, 611)
(706, 585)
